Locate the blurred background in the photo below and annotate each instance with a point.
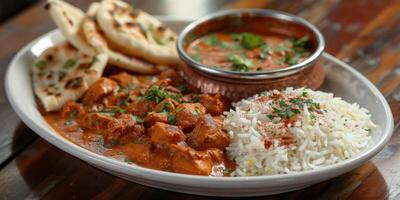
(8, 8)
(176, 8)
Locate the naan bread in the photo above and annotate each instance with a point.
(68, 19)
(97, 40)
(63, 73)
(137, 33)
(92, 10)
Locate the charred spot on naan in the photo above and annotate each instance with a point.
(74, 83)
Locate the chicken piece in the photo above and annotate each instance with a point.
(117, 100)
(141, 107)
(215, 104)
(194, 98)
(95, 121)
(115, 128)
(218, 120)
(187, 114)
(165, 84)
(162, 159)
(138, 153)
(216, 155)
(99, 89)
(166, 105)
(173, 75)
(189, 161)
(131, 132)
(125, 80)
(166, 134)
(152, 118)
(72, 110)
(208, 134)
(122, 129)
(162, 83)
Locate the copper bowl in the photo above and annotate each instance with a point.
(236, 84)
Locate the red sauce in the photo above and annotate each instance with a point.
(158, 122)
(249, 51)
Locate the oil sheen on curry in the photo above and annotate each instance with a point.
(249, 51)
(158, 122)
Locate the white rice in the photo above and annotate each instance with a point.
(334, 132)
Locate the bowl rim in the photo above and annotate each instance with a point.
(262, 75)
(43, 129)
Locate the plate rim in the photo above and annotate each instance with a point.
(141, 172)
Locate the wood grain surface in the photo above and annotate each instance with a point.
(363, 33)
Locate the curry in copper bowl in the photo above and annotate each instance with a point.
(250, 45)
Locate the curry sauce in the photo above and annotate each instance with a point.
(249, 51)
(158, 122)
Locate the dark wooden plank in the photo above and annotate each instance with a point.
(345, 22)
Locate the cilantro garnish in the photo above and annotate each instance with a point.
(171, 119)
(183, 88)
(114, 142)
(289, 59)
(196, 57)
(41, 65)
(61, 75)
(157, 94)
(251, 41)
(137, 119)
(308, 102)
(265, 49)
(212, 40)
(127, 160)
(69, 63)
(114, 111)
(282, 47)
(288, 109)
(95, 59)
(236, 36)
(165, 107)
(300, 45)
(248, 40)
(72, 116)
(100, 141)
(240, 64)
(285, 110)
(124, 101)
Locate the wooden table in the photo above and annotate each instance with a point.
(365, 34)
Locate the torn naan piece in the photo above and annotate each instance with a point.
(137, 33)
(63, 73)
(96, 39)
(68, 19)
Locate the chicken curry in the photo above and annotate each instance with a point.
(158, 122)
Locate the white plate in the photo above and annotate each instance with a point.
(341, 79)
